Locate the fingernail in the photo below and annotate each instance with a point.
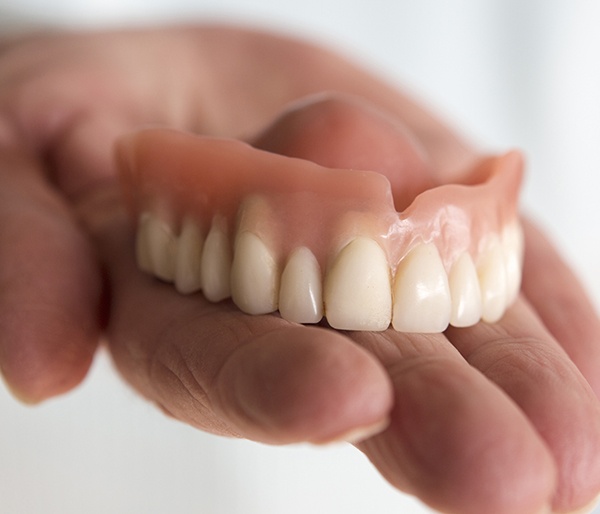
(357, 435)
(16, 393)
(587, 509)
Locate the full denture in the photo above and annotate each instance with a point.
(280, 233)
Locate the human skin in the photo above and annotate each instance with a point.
(496, 418)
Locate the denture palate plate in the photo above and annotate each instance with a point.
(278, 233)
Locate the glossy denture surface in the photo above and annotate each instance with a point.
(281, 233)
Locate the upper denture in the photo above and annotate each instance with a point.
(269, 211)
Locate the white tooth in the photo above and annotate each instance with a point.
(254, 276)
(421, 292)
(492, 281)
(157, 247)
(300, 293)
(513, 244)
(215, 265)
(142, 243)
(465, 292)
(357, 288)
(188, 278)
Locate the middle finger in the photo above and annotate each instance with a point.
(455, 439)
(519, 355)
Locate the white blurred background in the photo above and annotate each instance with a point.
(507, 72)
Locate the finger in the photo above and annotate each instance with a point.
(521, 357)
(49, 285)
(341, 131)
(455, 440)
(561, 302)
(223, 371)
(299, 69)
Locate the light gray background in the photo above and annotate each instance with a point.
(508, 72)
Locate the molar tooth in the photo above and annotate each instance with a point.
(493, 282)
(254, 275)
(300, 293)
(421, 292)
(215, 265)
(513, 244)
(465, 292)
(156, 246)
(188, 278)
(357, 288)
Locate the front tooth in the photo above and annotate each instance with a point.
(512, 244)
(357, 288)
(156, 247)
(422, 300)
(300, 293)
(465, 292)
(215, 265)
(254, 276)
(493, 282)
(188, 278)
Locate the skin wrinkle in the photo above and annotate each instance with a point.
(570, 428)
(407, 443)
(391, 345)
(199, 406)
(342, 384)
(218, 380)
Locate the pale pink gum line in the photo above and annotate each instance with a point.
(291, 202)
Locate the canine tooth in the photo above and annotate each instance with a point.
(512, 244)
(300, 293)
(188, 278)
(142, 243)
(254, 276)
(421, 292)
(215, 265)
(492, 280)
(157, 247)
(465, 292)
(357, 289)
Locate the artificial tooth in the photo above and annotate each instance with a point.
(492, 281)
(156, 247)
(422, 300)
(188, 278)
(254, 276)
(357, 289)
(215, 265)
(512, 244)
(464, 292)
(300, 292)
(142, 243)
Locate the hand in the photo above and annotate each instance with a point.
(494, 418)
